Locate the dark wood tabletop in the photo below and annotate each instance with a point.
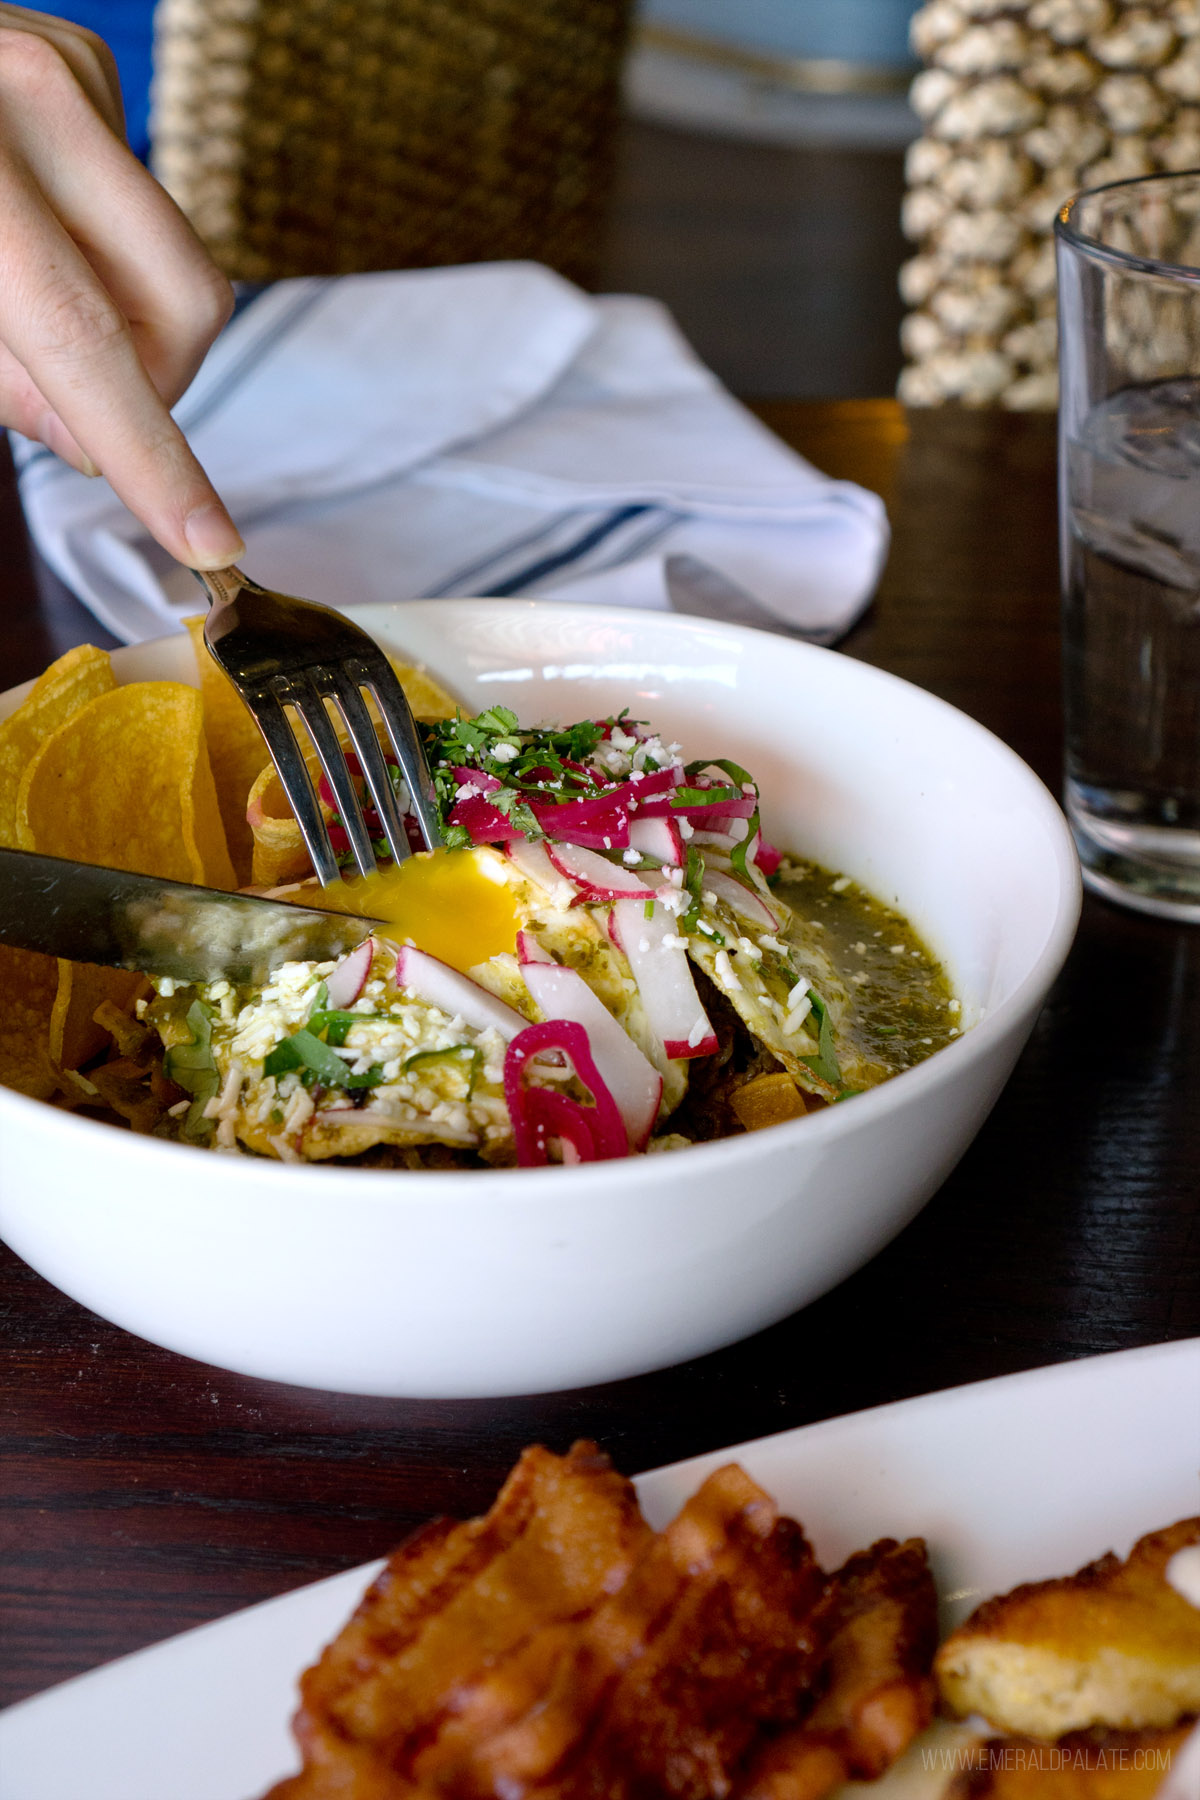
(141, 1493)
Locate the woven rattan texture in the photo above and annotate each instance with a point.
(328, 136)
(1021, 106)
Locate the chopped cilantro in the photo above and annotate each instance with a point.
(192, 1067)
(314, 1059)
(824, 1064)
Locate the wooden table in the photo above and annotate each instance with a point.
(141, 1493)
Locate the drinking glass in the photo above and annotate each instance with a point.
(1129, 500)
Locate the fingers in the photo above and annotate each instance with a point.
(87, 56)
(143, 250)
(109, 301)
(80, 359)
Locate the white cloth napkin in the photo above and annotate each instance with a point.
(479, 430)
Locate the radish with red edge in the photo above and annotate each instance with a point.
(600, 822)
(595, 878)
(659, 838)
(539, 1114)
(715, 840)
(634, 1083)
(346, 980)
(485, 823)
(767, 857)
(534, 863)
(664, 978)
(455, 994)
(745, 901)
(529, 950)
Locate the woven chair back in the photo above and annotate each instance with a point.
(309, 137)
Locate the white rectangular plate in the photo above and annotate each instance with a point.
(1009, 1480)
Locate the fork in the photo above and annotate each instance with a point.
(280, 652)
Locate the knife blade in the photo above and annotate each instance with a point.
(97, 915)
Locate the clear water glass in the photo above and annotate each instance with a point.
(1129, 509)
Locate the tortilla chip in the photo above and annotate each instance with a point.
(235, 749)
(427, 697)
(279, 852)
(126, 782)
(128, 1090)
(75, 1037)
(66, 686)
(28, 985)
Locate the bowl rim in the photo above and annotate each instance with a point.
(440, 1187)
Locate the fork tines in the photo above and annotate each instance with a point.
(281, 652)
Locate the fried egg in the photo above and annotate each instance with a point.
(457, 904)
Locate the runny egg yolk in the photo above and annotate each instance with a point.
(448, 902)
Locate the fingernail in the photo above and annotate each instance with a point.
(212, 538)
(54, 434)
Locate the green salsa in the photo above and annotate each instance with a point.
(897, 1005)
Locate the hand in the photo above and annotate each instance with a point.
(108, 299)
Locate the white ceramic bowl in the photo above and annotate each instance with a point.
(511, 1281)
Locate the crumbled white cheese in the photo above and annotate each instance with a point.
(840, 885)
(723, 969)
(506, 753)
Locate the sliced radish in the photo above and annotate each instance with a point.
(347, 979)
(530, 951)
(601, 822)
(657, 837)
(634, 1083)
(485, 822)
(713, 840)
(765, 855)
(743, 900)
(439, 984)
(594, 876)
(664, 979)
(533, 862)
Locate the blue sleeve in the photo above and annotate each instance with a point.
(127, 28)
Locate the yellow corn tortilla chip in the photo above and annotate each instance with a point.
(67, 685)
(235, 749)
(126, 782)
(427, 697)
(279, 852)
(28, 985)
(75, 1036)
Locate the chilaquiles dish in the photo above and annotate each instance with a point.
(608, 957)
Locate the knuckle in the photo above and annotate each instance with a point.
(81, 324)
(31, 64)
(211, 304)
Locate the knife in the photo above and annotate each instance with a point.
(97, 915)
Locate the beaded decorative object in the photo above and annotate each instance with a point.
(1022, 105)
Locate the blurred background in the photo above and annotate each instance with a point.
(761, 175)
(760, 169)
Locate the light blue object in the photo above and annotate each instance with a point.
(127, 28)
(867, 31)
